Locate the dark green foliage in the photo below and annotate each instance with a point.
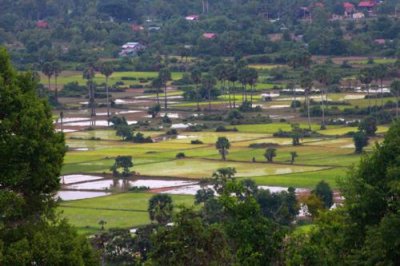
(31, 156)
(223, 145)
(124, 162)
(368, 125)
(196, 141)
(360, 139)
(269, 154)
(180, 155)
(160, 208)
(191, 242)
(325, 193)
(154, 110)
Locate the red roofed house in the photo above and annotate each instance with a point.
(209, 35)
(368, 5)
(192, 17)
(42, 24)
(136, 27)
(349, 9)
(380, 41)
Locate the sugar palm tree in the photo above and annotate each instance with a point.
(106, 69)
(208, 82)
(157, 84)
(306, 84)
(57, 69)
(160, 208)
(365, 76)
(395, 90)
(89, 74)
(165, 75)
(196, 78)
(223, 145)
(323, 77)
(48, 71)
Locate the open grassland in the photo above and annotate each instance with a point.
(124, 210)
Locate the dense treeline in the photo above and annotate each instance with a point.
(75, 31)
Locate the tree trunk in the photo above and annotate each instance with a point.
(251, 95)
(165, 98)
(108, 100)
(382, 93)
(209, 99)
(234, 95)
(308, 111)
(198, 98)
(56, 89)
(323, 108)
(229, 97)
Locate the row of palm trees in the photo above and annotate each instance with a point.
(325, 78)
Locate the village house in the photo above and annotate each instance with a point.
(131, 49)
(367, 5)
(42, 24)
(192, 17)
(209, 35)
(349, 9)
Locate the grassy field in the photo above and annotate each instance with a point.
(72, 76)
(124, 210)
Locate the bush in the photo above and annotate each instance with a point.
(180, 155)
(172, 132)
(196, 141)
(224, 129)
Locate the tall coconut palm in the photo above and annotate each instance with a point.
(106, 69)
(196, 78)
(395, 90)
(306, 84)
(243, 78)
(57, 69)
(165, 75)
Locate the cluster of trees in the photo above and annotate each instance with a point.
(250, 226)
(31, 156)
(72, 29)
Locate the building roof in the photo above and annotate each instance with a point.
(348, 5)
(367, 4)
(192, 17)
(42, 24)
(209, 35)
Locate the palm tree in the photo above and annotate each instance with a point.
(89, 74)
(102, 223)
(269, 154)
(208, 82)
(395, 90)
(157, 84)
(160, 208)
(380, 73)
(106, 69)
(306, 84)
(48, 71)
(232, 75)
(252, 80)
(365, 77)
(196, 78)
(323, 77)
(223, 145)
(165, 75)
(56, 71)
(293, 156)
